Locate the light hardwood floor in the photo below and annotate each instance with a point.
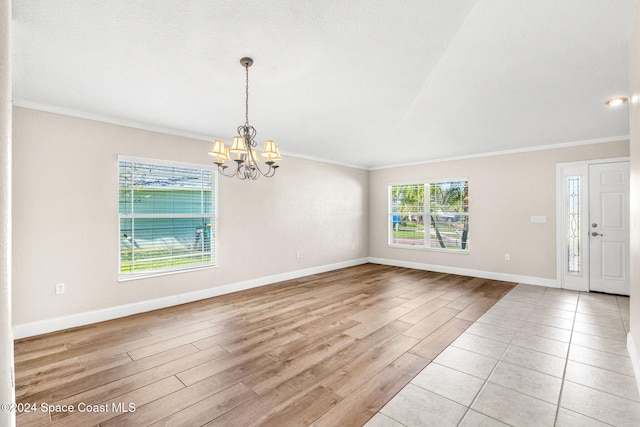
(329, 349)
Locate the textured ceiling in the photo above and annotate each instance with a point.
(369, 83)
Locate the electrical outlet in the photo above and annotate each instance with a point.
(507, 257)
(353, 247)
(60, 288)
(297, 254)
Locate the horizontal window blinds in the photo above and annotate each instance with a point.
(407, 215)
(167, 217)
(430, 215)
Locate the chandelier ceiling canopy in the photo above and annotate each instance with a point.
(243, 150)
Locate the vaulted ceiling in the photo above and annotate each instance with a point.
(368, 83)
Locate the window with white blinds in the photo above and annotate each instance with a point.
(167, 214)
(430, 215)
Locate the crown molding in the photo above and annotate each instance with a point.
(317, 159)
(107, 119)
(505, 152)
(23, 103)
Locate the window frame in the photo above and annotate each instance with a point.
(127, 276)
(426, 213)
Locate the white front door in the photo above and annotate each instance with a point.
(609, 228)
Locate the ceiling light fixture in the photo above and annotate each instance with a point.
(243, 147)
(614, 102)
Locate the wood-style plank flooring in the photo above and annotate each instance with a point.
(329, 349)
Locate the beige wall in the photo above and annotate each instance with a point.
(504, 192)
(634, 91)
(65, 228)
(65, 217)
(6, 336)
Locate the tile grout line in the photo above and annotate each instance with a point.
(509, 345)
(566, 366)
(566, 360)
(486, 380)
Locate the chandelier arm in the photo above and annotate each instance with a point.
(271, 172)
(222, 169)
(242, 171)
(267, 174)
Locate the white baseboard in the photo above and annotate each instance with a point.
(80, 319)
(529, 280)
(635, 358)
(89, 317)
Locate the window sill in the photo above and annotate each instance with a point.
(424, 248)
(134, 276)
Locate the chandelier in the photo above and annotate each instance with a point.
(243, 148)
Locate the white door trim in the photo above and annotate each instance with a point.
(580, 281)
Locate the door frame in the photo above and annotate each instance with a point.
(576, 281)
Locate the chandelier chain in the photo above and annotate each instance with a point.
(246, 105)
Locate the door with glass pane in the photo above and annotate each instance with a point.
(573, 263)
(593, 226)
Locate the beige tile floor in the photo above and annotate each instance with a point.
(539, 357)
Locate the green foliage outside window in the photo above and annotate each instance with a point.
(441, 222)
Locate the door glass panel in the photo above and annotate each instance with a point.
(573, 224)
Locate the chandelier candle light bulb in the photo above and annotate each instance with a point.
(247, 158)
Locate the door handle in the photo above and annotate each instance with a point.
(595, 233)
